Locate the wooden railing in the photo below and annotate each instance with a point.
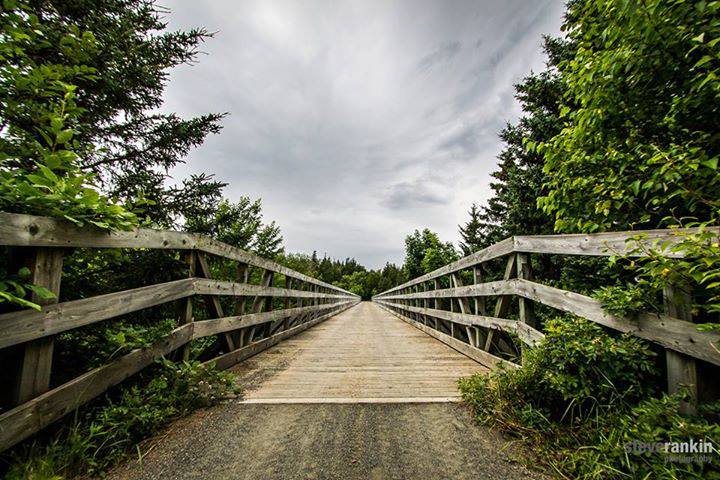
(462, 317)
(255, 324)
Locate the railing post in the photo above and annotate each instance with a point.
(242, 274)
(524, 271)
(288, 286)
(316, 300)
(45, 265)
(479, 302)
(186, 304)
(425, 303)
(463, 305)
(436, 302)
(681, 369)
(299, 303)
(418, 303)
(502, 307)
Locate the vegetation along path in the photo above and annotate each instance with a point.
(362, 395)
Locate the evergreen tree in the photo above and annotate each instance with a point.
(117, 55)
(241, 225)
(470, 233)
(519, 180)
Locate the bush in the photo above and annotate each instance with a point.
(135, 412)
(580, 396)
(653, 420)
(576, 370)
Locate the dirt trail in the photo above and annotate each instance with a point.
(328, 441)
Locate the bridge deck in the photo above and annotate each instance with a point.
(355, 397)
(363, 355)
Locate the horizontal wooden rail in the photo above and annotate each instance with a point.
(594, 244)
(254, 324)
(526, 333)
(26, 325)
(205, 328)
(673, 333)
(30, 417)
(476, 354)
(458, 315)
(499, 287)
(204, 286)
(32, 231)
(236, 356)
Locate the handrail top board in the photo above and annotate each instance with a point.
(22, 230)
(604, 244)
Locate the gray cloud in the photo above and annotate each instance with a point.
(442, 55)
(404, 195)
(466, 142)
(357, 122)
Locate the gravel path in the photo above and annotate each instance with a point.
(328, 441)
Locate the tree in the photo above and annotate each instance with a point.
(425, 252)
(39, 153)
(241, 225)
(116, 55)
(518, 182)
(640, 141)
(127, 62)
(471, 232)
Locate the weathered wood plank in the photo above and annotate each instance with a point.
(463, 302)
(216, 311)
(525, 307)
(30, 417)
(360, 353)
(669, 332)
(185, 305)
(525, 332)
(500, 287)
(601, 244)
(502, 306)
(205, 286)
(28, 230)
(214, 247)
(26, 325)
(681, 369)
(229, 359)
(595, 244)
(678, 335)
(204, 328)
(480, 356)
(36, 368)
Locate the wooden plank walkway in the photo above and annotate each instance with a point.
(363, 355)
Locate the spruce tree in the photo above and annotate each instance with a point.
(471, 232)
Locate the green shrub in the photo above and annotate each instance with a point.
(95, 345)
(627, 300)
(105, 433)
(580, 396)
(603, 452)
(576, 370)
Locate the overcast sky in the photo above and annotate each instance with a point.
(357, 122)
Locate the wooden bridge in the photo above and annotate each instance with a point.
(409, 346)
